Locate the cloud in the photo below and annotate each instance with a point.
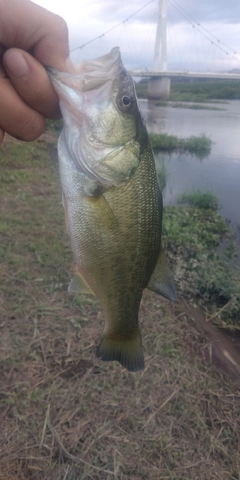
(212, 11)
(188, 49)
(207, 11)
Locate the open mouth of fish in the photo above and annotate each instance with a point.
(90, 75)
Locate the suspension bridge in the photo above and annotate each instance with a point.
(159, 73)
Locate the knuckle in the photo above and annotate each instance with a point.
(60, 26)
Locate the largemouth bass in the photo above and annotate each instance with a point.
(112, 200)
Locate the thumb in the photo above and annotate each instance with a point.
(31, 82)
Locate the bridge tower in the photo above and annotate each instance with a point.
(161, 38)
(159, 87)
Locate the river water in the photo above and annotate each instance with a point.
(219, 172)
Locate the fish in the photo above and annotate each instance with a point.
(112, 200)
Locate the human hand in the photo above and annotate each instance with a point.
(30, 39)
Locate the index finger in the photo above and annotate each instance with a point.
(30, 27)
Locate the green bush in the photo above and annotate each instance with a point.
(199, 199)
(162, 175)
(192, 237)
(193, 144)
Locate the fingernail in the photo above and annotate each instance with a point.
(16, 64)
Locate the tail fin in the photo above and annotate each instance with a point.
(126, 350)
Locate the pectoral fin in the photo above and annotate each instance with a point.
(79, 285)
(94, 196)
(161, 280)
(105, 214)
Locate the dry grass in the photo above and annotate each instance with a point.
(65, 415)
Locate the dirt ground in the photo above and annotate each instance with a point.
(223, 346)
(64, 414)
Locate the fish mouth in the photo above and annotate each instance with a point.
(103, 68)
(90, 75)
(88, 102)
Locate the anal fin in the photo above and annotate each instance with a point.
(161, 280)
(79, 285)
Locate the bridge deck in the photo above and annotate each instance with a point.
(213, 75)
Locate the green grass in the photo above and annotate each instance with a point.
(197, 198)
(162, 176)
(141, 89)
(194, 144)
(202, 91)
(64, 413)
(193, 237)
(194, 106)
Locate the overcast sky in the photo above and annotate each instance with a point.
(187, 48)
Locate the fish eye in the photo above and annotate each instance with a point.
(127, 102)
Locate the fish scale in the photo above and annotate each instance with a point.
(112, 201)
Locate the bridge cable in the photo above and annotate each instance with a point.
(206, 30)
(110, 29)
(175, 5)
